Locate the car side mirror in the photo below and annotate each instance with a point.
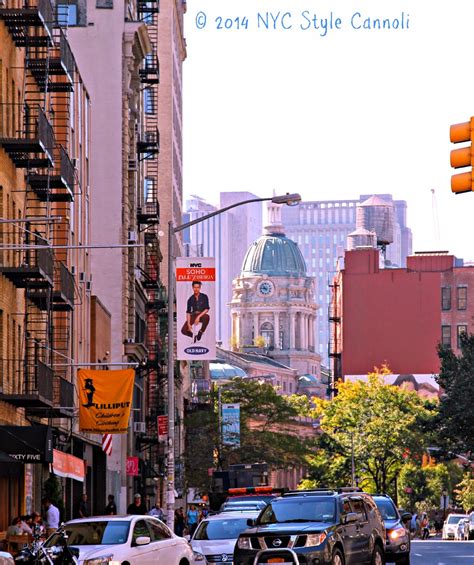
(251, 522)
(350, 518)
(143, 540)
(406, 517)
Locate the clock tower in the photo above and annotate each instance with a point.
(273, 298)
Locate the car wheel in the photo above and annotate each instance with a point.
(337, 558)
(378, 557)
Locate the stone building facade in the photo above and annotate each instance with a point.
(273, 300)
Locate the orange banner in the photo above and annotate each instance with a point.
(65, 465)
(105, 400)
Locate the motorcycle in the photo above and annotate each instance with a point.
(49, 553)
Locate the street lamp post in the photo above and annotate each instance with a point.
(290, 199)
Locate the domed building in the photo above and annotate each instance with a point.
(273, 300)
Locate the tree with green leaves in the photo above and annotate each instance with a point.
(456, 377)
(465, 493)
(268, 431)
(382, 424)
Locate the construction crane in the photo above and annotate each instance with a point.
(434, 210)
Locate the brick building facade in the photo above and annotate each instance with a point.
(398, 316)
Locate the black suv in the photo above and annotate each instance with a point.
(321, 527)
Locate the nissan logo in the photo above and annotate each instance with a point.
(276, 542)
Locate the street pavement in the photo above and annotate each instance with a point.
(437, 552)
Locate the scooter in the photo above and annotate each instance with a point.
(38, 553)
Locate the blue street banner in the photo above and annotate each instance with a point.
(231, 425)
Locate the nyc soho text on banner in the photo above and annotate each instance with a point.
(195, 308)
(105, 400)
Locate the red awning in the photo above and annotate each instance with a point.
(65, 465)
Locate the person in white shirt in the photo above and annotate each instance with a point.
(51, 516)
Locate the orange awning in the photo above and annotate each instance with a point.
(68, 466)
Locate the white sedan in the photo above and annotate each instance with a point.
(126, 540)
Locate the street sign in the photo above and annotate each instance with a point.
(162, 428)
(231, 424)
(132, 466)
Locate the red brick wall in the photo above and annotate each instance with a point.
(389, 316)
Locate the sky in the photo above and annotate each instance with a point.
(331, 113)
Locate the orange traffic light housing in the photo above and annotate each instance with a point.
(463, 157)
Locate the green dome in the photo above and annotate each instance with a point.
(276, 255)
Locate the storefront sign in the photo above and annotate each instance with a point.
(68, 466)
(27, 444)
(195, 308)
(132, 466)
(162, 428)
(105, 400)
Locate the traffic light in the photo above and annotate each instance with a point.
(463, 157)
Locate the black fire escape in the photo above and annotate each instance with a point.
(29, 140)
(335, 334)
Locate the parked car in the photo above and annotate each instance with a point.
(397, 545)
(140, 540)
(450, 525)
(462, 530)
(216, 536)
(321, 526)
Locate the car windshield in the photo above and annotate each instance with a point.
(455, 519)
(242, 508)
(311, 509)
(221, 529)
(386, 508)
(95, 533)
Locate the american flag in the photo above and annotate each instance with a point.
(107, 444)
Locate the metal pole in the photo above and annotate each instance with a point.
(352, 460)
(170, 461)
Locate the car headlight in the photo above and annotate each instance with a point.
(199, 557)
(244, 543)
(397, 533)
(315, 539)
(101, 560)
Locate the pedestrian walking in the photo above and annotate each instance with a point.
(179, 522)
(192, 519)
(157, 512)
(137, 507)
(111, 508)
(51, 516)
(82, 508)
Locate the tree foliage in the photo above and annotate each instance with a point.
(384, 424)
(265, 436)
(465, 493)
(420, 488)
(456, 377)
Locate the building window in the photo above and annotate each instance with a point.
(462, 297)
(462, 329)
(266, 331)
(66, 14)
(446, 335)
(446, 298)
